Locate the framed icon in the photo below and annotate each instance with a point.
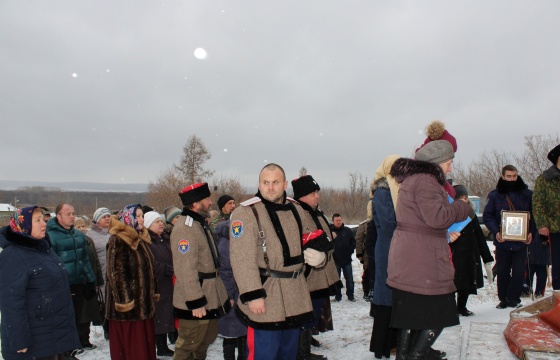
(515, 225)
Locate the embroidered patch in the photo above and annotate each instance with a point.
(184, 246)
(236, 228)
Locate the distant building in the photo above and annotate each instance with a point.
(6, 209)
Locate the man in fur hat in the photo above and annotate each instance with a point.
(199, 297)
(546, 208)
(511, 194)
(321, 281)
(267, 260)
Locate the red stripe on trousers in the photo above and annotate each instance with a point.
(251, 343)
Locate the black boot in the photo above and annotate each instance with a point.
(172, 336)
(403, 343)
(242, 348)
(161, 346)
(304, 347)
(422, 344)
(229, 346)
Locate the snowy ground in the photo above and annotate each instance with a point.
(477, 337)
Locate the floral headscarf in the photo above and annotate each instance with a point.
(21, 220)
(128, 215)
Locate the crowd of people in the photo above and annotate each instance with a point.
(261, 273)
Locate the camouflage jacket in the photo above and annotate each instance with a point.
(546, 200)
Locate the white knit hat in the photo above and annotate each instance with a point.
(150, 217)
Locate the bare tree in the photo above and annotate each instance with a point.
(533, 161)
(165, 190)
(302, 171)
(195, 154)
(231, 187)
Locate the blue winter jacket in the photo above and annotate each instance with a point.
(497, 201)
(71, 247)
(35, 299)
(386, 223)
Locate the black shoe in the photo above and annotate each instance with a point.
(315, 342)
(502, 305)
(515, 305)
(89, 346)
(434, 354)
(337, 299)
(465, 312)
(351, 299)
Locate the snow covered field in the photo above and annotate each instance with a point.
(477, 337)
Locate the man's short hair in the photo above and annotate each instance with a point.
(59, 208)
(336, 215)
(508, 168)
(273, 166)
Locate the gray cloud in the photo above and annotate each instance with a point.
(333, 86)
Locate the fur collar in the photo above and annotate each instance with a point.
(380, 183)
(14, 238)
(551, 173)
(505, 187)
(128, 234)
(403, 168)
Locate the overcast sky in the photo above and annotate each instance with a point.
(109, 91)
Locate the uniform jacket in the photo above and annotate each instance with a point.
(163, 267)
(546, 200)
(100, 237)
(520, 196)
(322, 281)
(419, 257)
(71, 247)
(287, 300)
(131, 291)
(344, 245)
(35, 300)
(466, 253)
(229, 325)
(385, 223)
(195, 253)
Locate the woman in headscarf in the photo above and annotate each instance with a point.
(35, 300)
(420, 270)
(131, 287)
(163, 266)
(385, 193)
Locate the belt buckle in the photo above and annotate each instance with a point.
(295, 274)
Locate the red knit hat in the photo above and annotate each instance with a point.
(436, 131)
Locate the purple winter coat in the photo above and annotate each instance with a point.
(419, 257)
(229, 326)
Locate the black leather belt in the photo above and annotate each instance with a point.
(280, 274)
(204, 276)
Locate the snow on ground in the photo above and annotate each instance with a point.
(477, 337)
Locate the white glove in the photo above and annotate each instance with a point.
(489, 275)
(313, 257)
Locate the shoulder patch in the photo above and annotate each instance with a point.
(251, 201)
(237, 228)
(183, 246)
(189, 221)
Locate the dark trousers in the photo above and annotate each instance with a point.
(272, 344)
(540, 271)
(78, 302)
(383, 337)
(462, 298)
(348, 277)
(555, 257)
(510, 268)
(318, 305)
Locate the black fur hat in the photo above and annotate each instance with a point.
(193, 193)
(304, 185)
(554, 154)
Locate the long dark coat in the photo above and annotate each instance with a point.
(90, 309)
(35, 300)
(228, 326)
(466, 253)
(163, 267)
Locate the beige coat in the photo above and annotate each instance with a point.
(323, 281)
(193, 255)
(287, 300)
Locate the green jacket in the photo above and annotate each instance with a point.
(546, 200)
(218, 219)
(71, 248)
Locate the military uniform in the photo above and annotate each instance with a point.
(279, 279)
(195, 262)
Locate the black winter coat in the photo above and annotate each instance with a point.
(344, 245)
(163, 267)
(466, 253)
(35, 299)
